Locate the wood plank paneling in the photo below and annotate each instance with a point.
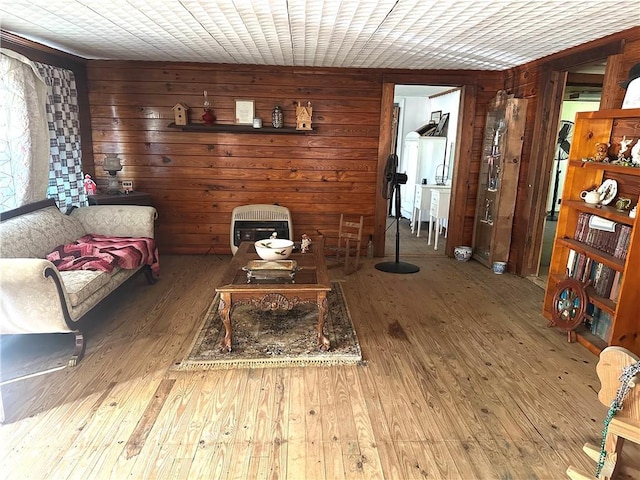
(197, 178)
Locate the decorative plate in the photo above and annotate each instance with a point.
(608, 190)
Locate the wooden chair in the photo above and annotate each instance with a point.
(625, 424)
(349, 243)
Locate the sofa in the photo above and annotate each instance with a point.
(37, 297)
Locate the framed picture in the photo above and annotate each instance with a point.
(245, 112)
(441, 129)
(435, 116)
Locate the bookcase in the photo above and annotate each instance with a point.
(498, 180)
(607, 263)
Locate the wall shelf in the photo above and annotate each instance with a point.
(201, 127)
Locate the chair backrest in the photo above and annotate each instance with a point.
(351, 230)
(612, 361)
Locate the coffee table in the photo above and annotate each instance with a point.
(311, 286)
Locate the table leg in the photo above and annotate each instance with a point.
(430, 230)
(224, 309)
(435, 240)
(323, 342)
(419, 221)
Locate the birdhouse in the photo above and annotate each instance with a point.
(180, 114)
(303, 117)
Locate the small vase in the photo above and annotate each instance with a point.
(208, 117)
(277, 118)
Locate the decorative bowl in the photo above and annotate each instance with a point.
(462, 253)
(499, 267)
(274, 248)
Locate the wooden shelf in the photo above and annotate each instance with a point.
(608, 126)
(597, 255)
(221, 128)
(604, 211)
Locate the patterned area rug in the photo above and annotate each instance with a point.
(275, 338)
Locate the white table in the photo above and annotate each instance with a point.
(438, 213)
(422, 202)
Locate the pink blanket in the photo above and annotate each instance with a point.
(100, 252)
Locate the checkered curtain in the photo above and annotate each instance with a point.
(65, 166)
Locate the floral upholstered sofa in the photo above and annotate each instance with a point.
(35, 295)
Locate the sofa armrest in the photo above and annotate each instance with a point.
(32, 297)
(117, 220)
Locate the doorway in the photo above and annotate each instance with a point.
(582, 93)
(420, 105)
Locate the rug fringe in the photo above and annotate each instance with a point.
(317, 358)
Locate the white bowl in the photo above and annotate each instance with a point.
(462, 253)
(274, 249)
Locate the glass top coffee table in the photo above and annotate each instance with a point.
(309, 285)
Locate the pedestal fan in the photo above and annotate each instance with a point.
(562, 153)
(391, 189)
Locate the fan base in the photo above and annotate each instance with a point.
(397, 267)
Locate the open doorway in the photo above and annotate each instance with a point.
(427, 156)
(582, 93)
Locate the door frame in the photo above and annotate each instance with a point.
(461, 193)
(551, 91)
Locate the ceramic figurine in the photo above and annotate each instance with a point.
(305, 244)
(601, 152)
(635, 154)
(89, 185)
(624, 146)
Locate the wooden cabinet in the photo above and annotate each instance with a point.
(131, 198)
(422, 204)
(498, 182)
(606, 264)
(438, 214)
(422, 157)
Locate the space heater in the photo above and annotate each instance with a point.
(250, 223)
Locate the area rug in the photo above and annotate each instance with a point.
(275, 338)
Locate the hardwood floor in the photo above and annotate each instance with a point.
(463, 380)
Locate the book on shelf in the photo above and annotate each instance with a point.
(600, 277)
(615, 287)
(599, 323)
(614, 242)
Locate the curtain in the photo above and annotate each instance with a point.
(66, 180)
(24, 139)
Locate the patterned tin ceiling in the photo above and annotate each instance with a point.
(411, 34)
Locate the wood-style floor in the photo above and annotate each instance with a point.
(463, 380)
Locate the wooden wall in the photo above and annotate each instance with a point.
(542, 82)
(196, 179)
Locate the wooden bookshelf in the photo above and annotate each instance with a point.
(607, 126)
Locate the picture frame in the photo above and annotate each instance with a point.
(245, 112)
(435, 116)
(442, 126)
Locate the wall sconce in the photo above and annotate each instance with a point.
(112, 165)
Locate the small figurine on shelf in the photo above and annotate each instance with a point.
(601, 152)
(624, 146)
(305, 244)
(635, 154)
(90, 186)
